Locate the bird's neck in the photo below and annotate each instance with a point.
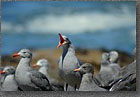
(24, 64)
(66, 49)
(105, 68)
(25, 61)
(8, 78)
(105, 63)
(43, 70)
(88, 78)
(3, 79)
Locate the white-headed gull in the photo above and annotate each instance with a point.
(44, 65)
(27, 78)
(8, 82)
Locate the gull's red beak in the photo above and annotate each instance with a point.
(35, 65)
(2, 72)
(77, 69)
(15, 55)
(61, 40)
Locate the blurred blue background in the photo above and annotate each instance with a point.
(89, 25)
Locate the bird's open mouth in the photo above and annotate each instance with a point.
(61, 40)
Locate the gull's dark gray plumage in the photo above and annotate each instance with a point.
(105, 74)
(40, 80)
(44, 69)
(113, 59)
(109, 69)
(126, 79)
(88, 80)
(125, 83)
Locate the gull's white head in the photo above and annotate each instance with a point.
(24, 53)
(113, 57)
(41, 63)
(105, 59)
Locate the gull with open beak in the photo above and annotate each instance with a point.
(88, 82)
(68, 62)
(8, 82)
(27, 78)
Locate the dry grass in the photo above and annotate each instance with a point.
(53, 55)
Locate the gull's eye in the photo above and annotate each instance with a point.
(84, 67)
(24, 52)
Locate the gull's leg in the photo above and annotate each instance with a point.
(65, 86)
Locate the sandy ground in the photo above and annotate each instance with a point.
(53, 55)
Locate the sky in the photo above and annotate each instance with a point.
(109, 25)
(67, 17)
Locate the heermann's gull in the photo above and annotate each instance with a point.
(44, 68)
(105, 74)
(68, 62)
(26, 77)
(8, 82)
(113, 59)
(88, 80)
(107, 71)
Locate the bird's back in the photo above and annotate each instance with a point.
(88, 84)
